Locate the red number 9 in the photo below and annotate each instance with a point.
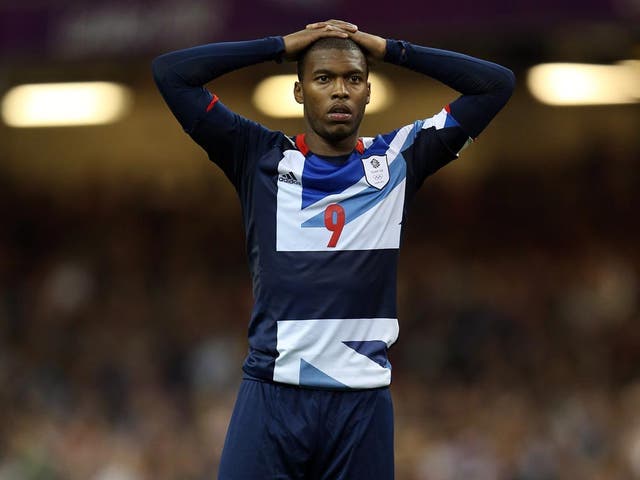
(334, 219)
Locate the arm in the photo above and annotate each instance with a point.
(226, 136)
(485, 89)
(181, 75)
(432, 143)
(485, 86)
(229, 139)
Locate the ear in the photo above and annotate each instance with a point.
(297, 92)
(368, 92)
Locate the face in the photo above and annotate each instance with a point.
(334, 91)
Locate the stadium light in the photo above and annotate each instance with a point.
(585, 84)
(273, 96)
(65, 104)
(633, 66)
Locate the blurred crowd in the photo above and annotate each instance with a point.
(123, 318)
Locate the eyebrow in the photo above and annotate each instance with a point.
(324, 71)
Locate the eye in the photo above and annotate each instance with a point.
(322, 78)
(356, 78)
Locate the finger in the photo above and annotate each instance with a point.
(342, 24)
(336, 28)
(329, 30)
(333, 33)
(338, 23)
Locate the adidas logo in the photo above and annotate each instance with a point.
(289, 178)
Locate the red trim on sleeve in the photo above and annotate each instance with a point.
(213, 101)
(301, 144)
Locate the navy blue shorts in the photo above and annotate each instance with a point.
(281, 432)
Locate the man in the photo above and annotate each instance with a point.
(323, 213)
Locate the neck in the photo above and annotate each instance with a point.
(322, 146)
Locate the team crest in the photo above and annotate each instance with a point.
(376, 171)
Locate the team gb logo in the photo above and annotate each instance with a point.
(376, 171)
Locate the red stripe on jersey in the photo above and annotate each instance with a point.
(447, 108)
(360, 146)
(213, 101)
(301, 144)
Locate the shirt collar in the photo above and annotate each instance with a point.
(301, 145)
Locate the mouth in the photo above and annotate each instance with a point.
(339, 113)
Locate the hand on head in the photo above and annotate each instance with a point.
(297, 42)
(333, 25)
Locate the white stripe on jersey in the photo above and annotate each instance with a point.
(319, 343)
(438, 120)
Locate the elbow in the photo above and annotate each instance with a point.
(160, 68)
(505, 84)
(508, 82)
(511, 80)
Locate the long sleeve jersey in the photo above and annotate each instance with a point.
(323, 233)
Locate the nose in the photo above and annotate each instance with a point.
(340, 89)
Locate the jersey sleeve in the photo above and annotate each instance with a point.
(431, 144)
(485, 87)
(230, 140)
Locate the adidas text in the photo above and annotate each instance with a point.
(289, 178)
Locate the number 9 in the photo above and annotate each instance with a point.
(334, 219)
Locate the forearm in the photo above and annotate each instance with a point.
(180, 75)
(199, 65)
(486, 86)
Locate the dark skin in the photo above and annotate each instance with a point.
(334, 90)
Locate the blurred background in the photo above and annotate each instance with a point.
(124, 290)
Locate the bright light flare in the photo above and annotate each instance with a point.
(65, 104)
(273, 96)
(585, 84)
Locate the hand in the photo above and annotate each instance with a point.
(295, 43)
(376, 46)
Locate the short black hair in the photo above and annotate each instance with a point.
(330, 43)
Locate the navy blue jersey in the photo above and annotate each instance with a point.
(323, 233)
